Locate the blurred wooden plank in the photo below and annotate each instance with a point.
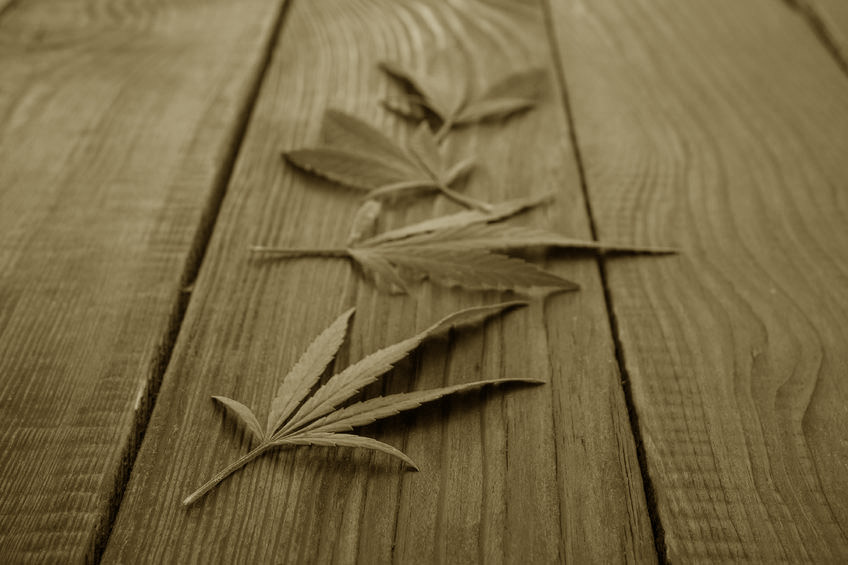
(829, 19)
(529, 475)
(722, 126)
(117, 128)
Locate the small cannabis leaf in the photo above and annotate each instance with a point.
(294, 419)
(357, 155)
(459, 249)
(434, 92)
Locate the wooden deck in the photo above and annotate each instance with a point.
(697, 405)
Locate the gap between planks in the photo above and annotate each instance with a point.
(807, 10)
(650, 493)
(6, 5)
(194, 261)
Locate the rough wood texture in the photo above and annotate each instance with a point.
(830, 18)
(721, 126)
(526, 475)
(116, 124)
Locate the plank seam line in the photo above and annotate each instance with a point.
(194, 261)
(808, 12)
(650, 493)
(8, 7)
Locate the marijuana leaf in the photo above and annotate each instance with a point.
(357, 155)
(460, 249)
(295, 420)
(364, 221)
(431, 93)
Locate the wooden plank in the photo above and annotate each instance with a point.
(116, 127)
(721, 126)
(829, 19)
(537, 475)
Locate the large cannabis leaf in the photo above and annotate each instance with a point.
(459, 249)
(357, 155)
(436, 92)
(296, 418)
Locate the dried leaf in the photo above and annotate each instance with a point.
(384, 275)
(498, 108)
(364, 221)
(463, 249)
(410, 107)
(369, 411)
(440, 89)
(345, 440)
(344, 131)
(243, 415)
(424, 147)
(498, 212)
(527, 84)
(470, 268)
(503, 238)
(307, 371)
(357, 155)
(356, 170)
(314, 424)
(365, 371)
(513, 93)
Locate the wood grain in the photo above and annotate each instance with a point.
(117, 121)
(830, 20)
(720, 126)
(539, 474)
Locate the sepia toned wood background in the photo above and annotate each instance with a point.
(695, 405)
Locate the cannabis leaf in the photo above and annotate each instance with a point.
(294, 419)
(434, 92)
(459, 249)
(364, 221)
(357, 155)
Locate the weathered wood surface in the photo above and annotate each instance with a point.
(722, 126)
(117, 122)
(536, 474)
(830, 20)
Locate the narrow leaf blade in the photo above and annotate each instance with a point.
(356, 170)
(349, 382)
(473, 268)
(345, 440)
(459, 170)
(499, 212)
(369, 411)
(494, 109)
(364, 221)
(409, 107)
(513, 93)
(524, 85)
(424, 147)
(307, 371)
(419, 82)
(243, 415)
(493, 237)
(384, 275)
(349, 133)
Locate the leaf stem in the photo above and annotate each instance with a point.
(444, 129)
(463, 200)
(226, 472)
(398, 187)
(294, 252)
